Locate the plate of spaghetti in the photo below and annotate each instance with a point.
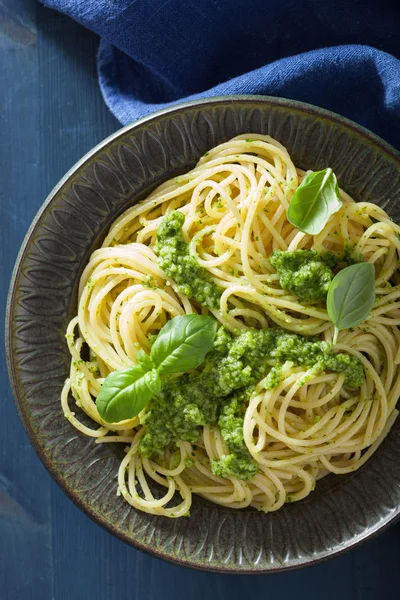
(204, 334)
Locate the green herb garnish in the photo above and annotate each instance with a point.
(182, 344)
(315, 200)
(351, 296)
(125, 393)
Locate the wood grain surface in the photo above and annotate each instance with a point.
(51, 113)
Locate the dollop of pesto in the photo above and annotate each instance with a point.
(238, 463)
(175, 260)
(234, 465)
(220, 392)
(305, 273)
(308, 273)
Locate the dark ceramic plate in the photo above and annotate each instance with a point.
(344, 510)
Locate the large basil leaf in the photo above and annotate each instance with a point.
(183, 343)
(125, 393)
(315, 200)
(351, 296)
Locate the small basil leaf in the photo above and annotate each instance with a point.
(125, 393)
(351, 296)
(144, 360)
(315, 200)
(183, 343)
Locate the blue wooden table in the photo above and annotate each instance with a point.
(51, 113)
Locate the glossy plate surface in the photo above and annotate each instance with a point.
(344, 510)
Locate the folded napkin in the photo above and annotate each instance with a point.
(337, 54)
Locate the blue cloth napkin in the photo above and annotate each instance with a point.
(339, 54)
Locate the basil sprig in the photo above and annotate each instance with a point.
(351, 296)
(315, 200)
(182, 344)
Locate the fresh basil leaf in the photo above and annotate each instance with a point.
(144, 360)
(351, 296)
(183, 343)
(315, 200)
(125, 393)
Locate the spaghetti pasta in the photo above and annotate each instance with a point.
(311, 423)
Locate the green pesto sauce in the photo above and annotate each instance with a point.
(308, 273)
(176, 261)
(221, 391)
